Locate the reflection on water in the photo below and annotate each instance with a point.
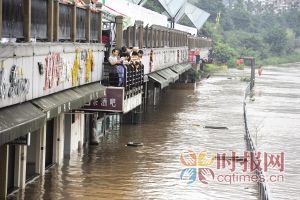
(274, 118)
(114, 171)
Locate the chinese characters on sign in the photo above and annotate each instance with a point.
(197, 166)
(113, 101)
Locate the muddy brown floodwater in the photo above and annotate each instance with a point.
(113, 171)
(274, 118)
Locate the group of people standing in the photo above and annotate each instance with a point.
(84, 3)
(125, 58)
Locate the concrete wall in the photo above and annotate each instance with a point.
(74, 133)
(164, 57)
(77, 132)
(59, 71)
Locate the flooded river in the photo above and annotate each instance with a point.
(274, 118)
(115, 171)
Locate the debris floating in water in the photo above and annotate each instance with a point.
(196, 125)
(237, 158)
(216, 127)
(134, 144)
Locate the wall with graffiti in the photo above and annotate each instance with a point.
(160, 58)
(42, 70)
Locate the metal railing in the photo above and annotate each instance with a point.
(51, 21)
(56, 21)
(263, 187)
(12, 18)
(158, 36)
(133, 78)
(65, 21)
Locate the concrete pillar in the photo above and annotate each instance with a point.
(252, 73)
(141, 36)
(100, 27)
(146, 41)
(23, 166)
(154, 39)
(67, 138)
(50, 20)
(150, 42)
(41, 151)
(56, 21)
(27, 20)
(119, 31)
(3, 171)
(58, 150)
(17, 170)
(73, 25)
(134, 42)
(88, 25)
(81, 133)
(128, 37)
(156, 96)
(158, 37)
(61, 139)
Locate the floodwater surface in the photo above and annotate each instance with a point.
(112, 170)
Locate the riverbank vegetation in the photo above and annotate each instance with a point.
(241, 28)
(248, 28)
(211, 68)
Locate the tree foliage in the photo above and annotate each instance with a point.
(247, 28)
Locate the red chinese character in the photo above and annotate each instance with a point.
(222, 160)
(255, 161)
(274, 160)
(244, 162)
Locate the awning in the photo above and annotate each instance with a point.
(69, 99)
(169, 74)
(174, 75)
(59, 102)
(186, 67)
(178, 69)
(19, 120)
(91, 91)
(166, 75)
(163, 82)
(181, 68)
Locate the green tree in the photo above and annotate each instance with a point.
(224, 54)
(277, 40)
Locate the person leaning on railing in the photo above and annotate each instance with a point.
(76, 2)
(92, 5)
(117, 63)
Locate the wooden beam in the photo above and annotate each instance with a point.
(88, 25)
(1, 2)
(3, 171)
(128, 37)
(73, 23)
(134, 42)
(27, 20)
(141, 36)
(119, 31)
(100, 27)
(146, 42)
(50, 25)
(56, 22)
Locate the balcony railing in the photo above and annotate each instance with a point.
(49, 20)
(54, 20)
(157, 37)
